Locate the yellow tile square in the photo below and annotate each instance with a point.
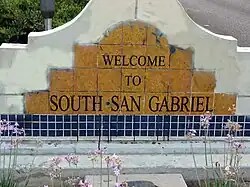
(179, 103)
(132, 103)
(158, 56)
(156, 37)
(110, 56)
(133, 80)
(223, 102)
(109, 80)
(156, 104)
(180, 58)
(113, 36)
(85, 56)
(135, 57)
(85, 80)
(134, 33)
(111, 102)
(202, 103)
(180, 80)
(203, 81)
(37, 102)
(74, 103)
(157, 81)
(61, 80)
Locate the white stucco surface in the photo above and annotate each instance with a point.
(24, 67)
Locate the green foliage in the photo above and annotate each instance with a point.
(16, 16)
(220, 183)
(7, 181)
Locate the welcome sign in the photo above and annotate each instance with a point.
(132, 70)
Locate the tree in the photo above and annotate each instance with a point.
(19, 17)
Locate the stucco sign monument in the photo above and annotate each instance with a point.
(138, 57)
(131, 70)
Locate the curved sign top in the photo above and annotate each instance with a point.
(132, 70)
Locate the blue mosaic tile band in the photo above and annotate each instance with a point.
(122, 125)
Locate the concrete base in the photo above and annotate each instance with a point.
(139, 164)
(160, 180)
(123, 148)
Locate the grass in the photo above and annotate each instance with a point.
(195, 183)
(226, 174)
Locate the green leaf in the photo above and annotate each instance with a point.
(19, 15)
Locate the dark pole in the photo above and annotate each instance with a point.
(47, 8)
(100, 133)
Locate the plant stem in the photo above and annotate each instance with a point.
(236, 165)
(52, 182)
(10, 161)
(4, 162)
(227, 154)
(108, 173)
(15, 157)
(93, 178)
(211, 155)
(224, 154)
(195, 165)
(211, 159)
(101, 172)
(29, 175)
(231, 157)
(72, 170)
(0, 153)
(206, 160)
(61, 185)
(206, 150)
(116, 179)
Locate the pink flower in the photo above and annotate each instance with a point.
(204, 119)
(7, 126)
(115, 163)
(191, 133)
(72, 159)
(16, 142)
(56, 160)
(99, 152)
(81, 183)
(116, 171)
(55, 171)
(93, 155)
(229, 138)
(232, 126)
(18, 131)
(237, 146)
(68, 158)
(117, 184)
(233, 109)
(75, 160)
(84, 184)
